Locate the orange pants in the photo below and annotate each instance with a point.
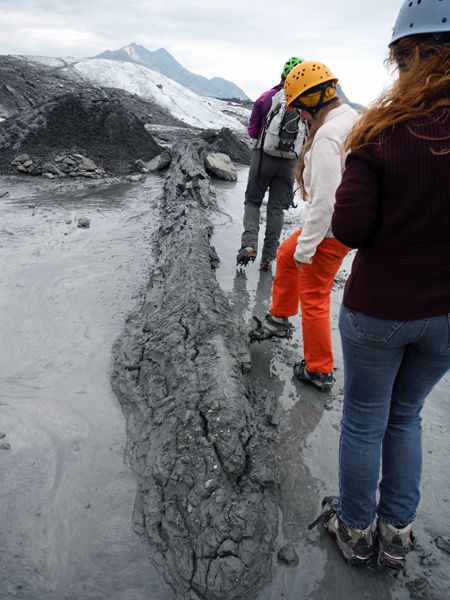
(312, 290)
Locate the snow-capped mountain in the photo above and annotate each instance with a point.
(163, 62)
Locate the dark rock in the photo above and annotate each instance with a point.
(226, 142)
(443, 544)
(34, 170)
(160, 162)
(83, 223)
(417, 585)
(200, 439)
(64, 168)
(288, 556)
(141, 165)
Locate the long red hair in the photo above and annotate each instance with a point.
(423, 89)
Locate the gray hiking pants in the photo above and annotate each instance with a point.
(275, 174)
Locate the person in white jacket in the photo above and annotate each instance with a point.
(308, 261)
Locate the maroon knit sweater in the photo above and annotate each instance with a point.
(394, 206)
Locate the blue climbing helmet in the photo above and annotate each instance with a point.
(422, 16)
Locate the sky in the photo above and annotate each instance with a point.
(244, 41)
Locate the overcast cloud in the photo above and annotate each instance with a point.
(244, 41)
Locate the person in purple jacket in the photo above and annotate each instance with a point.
(266, 172)
(393, 205)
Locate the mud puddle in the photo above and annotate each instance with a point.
(309, 447)
(66, 494)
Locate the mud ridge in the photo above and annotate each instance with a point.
(201, 438)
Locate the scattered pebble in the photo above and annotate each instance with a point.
(288, 556)
(418, 584)
(443, 544)
(83, 223)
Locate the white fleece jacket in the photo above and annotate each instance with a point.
(322, 175)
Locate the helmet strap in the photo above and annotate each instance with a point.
(314, 110)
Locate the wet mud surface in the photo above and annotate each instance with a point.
(67, 497)
(308, 447)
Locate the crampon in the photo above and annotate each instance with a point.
(270, 328)
(245, 256)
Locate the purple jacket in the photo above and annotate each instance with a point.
(260, 110)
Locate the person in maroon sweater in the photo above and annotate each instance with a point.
(393, 205)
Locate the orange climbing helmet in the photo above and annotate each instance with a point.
(310, 86)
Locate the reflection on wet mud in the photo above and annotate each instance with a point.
(299, 496)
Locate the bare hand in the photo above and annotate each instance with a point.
(300, 265)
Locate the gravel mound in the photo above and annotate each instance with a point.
(98, 127)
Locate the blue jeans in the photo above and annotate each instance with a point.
(390, 367)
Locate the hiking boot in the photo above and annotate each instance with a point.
(394, 544)
(270, 328)
(323, 381)
(355, 545)
(245, 255)
(266, 265)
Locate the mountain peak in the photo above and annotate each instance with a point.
(163, 62)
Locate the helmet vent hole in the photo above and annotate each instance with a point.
(411, 24)
(410, 4)
(419, 1)
(444, 20)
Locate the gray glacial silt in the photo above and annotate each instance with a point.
(201, 436)
(66, 496)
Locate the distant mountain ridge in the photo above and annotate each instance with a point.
(163, 62)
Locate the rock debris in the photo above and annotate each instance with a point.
(200, 435)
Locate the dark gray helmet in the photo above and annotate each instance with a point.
(422, 16)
